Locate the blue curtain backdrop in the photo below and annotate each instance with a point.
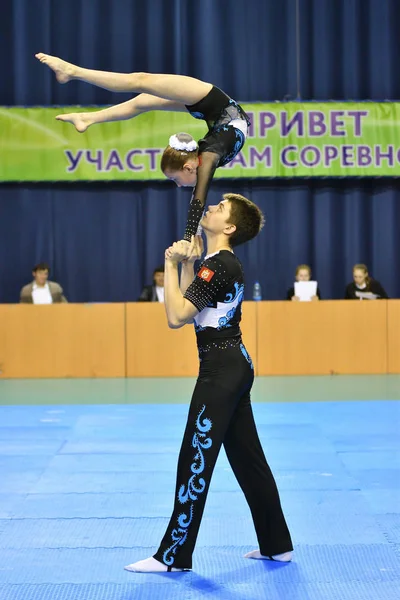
(103, 241)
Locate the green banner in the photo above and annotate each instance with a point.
(341, 139)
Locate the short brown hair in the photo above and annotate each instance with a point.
(305, 267)
(247, 218)
(174, 160)
(159, 269)
(41, 267)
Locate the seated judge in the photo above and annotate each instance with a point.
(303, 273)
(41, 290)
(154, 292)
(363, 287)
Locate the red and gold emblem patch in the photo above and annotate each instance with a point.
(206, 274)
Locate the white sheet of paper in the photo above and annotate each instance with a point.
(366, 295)
(305, 290)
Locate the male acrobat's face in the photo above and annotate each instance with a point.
(216, 218)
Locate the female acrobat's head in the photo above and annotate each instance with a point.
(180, 160)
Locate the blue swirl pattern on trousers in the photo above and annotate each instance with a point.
(195, 486)
(246, 355)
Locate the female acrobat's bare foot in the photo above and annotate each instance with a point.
(80, 121)
(63, 70)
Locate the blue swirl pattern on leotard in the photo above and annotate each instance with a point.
(197, 114)
(238, 145)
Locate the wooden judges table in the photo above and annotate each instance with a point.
(133, 340)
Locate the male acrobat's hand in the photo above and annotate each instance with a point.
(178, 252)
(184, 251)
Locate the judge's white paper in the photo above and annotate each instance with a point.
(366, 295)
(305, 290)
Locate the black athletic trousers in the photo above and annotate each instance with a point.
(220, 413)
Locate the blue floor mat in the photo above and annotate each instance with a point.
(356, 442)
(377, 479)
(198, 589)
(390, 525)
(85, 490)
(153, 504)
(389, 459)
(313, 564)
(382, 501)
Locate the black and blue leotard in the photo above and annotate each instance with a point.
(227, 129)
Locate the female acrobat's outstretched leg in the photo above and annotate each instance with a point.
(178, 88)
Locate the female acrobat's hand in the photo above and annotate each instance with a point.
(178, 252)
(196, 249)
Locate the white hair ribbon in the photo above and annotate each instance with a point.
(176, 144)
